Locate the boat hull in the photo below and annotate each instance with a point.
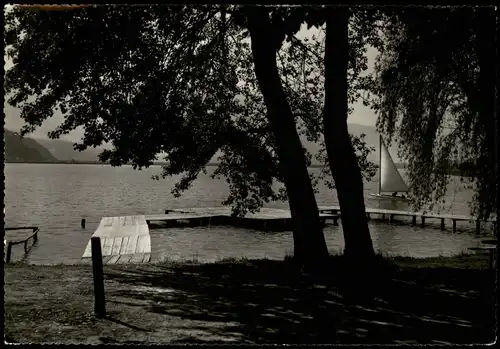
(388, 196)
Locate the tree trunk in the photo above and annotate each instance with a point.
(343, 163)
(309, 242)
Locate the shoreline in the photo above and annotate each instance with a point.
(434, 300)
(462, 260)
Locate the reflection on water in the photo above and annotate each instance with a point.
(210, 244)
(56, 197)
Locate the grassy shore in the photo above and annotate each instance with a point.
(435, 300)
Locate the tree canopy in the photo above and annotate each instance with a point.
(173, 80)
(433, 89)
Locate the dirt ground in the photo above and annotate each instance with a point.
(417, 301)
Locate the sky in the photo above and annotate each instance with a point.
(361, 114)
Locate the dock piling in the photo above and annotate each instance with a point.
(423, 222)
(97, 268)
(368, 218)
(454, 225)
(9, 252)
(442, 223)
(413, 220)
(82, 223)
(478, 226)
(336, 221)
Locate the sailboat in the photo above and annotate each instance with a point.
(390, 180)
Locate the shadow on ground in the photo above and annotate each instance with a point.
(270, 302)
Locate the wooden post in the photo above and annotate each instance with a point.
(478, 226)
(83, 223)
(414, 220)
(391, 218)
(99, 301)
(383, 215)
(442, 223)
(368, 216)
(9, 252)
(423, 222)
(336, 221)
(454, 225)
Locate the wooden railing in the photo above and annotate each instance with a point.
(9, 244)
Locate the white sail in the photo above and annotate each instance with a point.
(390, 178)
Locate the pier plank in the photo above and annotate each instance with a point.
(143, 244)
(86, 261)
(176, 216)
(268, 215)
(122, 226)
(124, 259)
(406, 213)
(132, 244)
(123, 247)
(117, 244)
(107, 221)
(106, 246)
(88, 251)
(113, 259)
(120, 235)
(137, 258)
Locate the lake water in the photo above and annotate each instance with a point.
(56, 197)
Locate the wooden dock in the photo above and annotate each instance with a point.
(414, 215)
(268, 219)
(8, 244)
(123, 240)
(127, 239)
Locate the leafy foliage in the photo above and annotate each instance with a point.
(428, 99)
(172, 81)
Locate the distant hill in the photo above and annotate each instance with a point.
(19, 149)
(63, 150)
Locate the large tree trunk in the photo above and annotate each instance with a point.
(309, 242)
(343, 163)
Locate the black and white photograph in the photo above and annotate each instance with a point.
(254, 174)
